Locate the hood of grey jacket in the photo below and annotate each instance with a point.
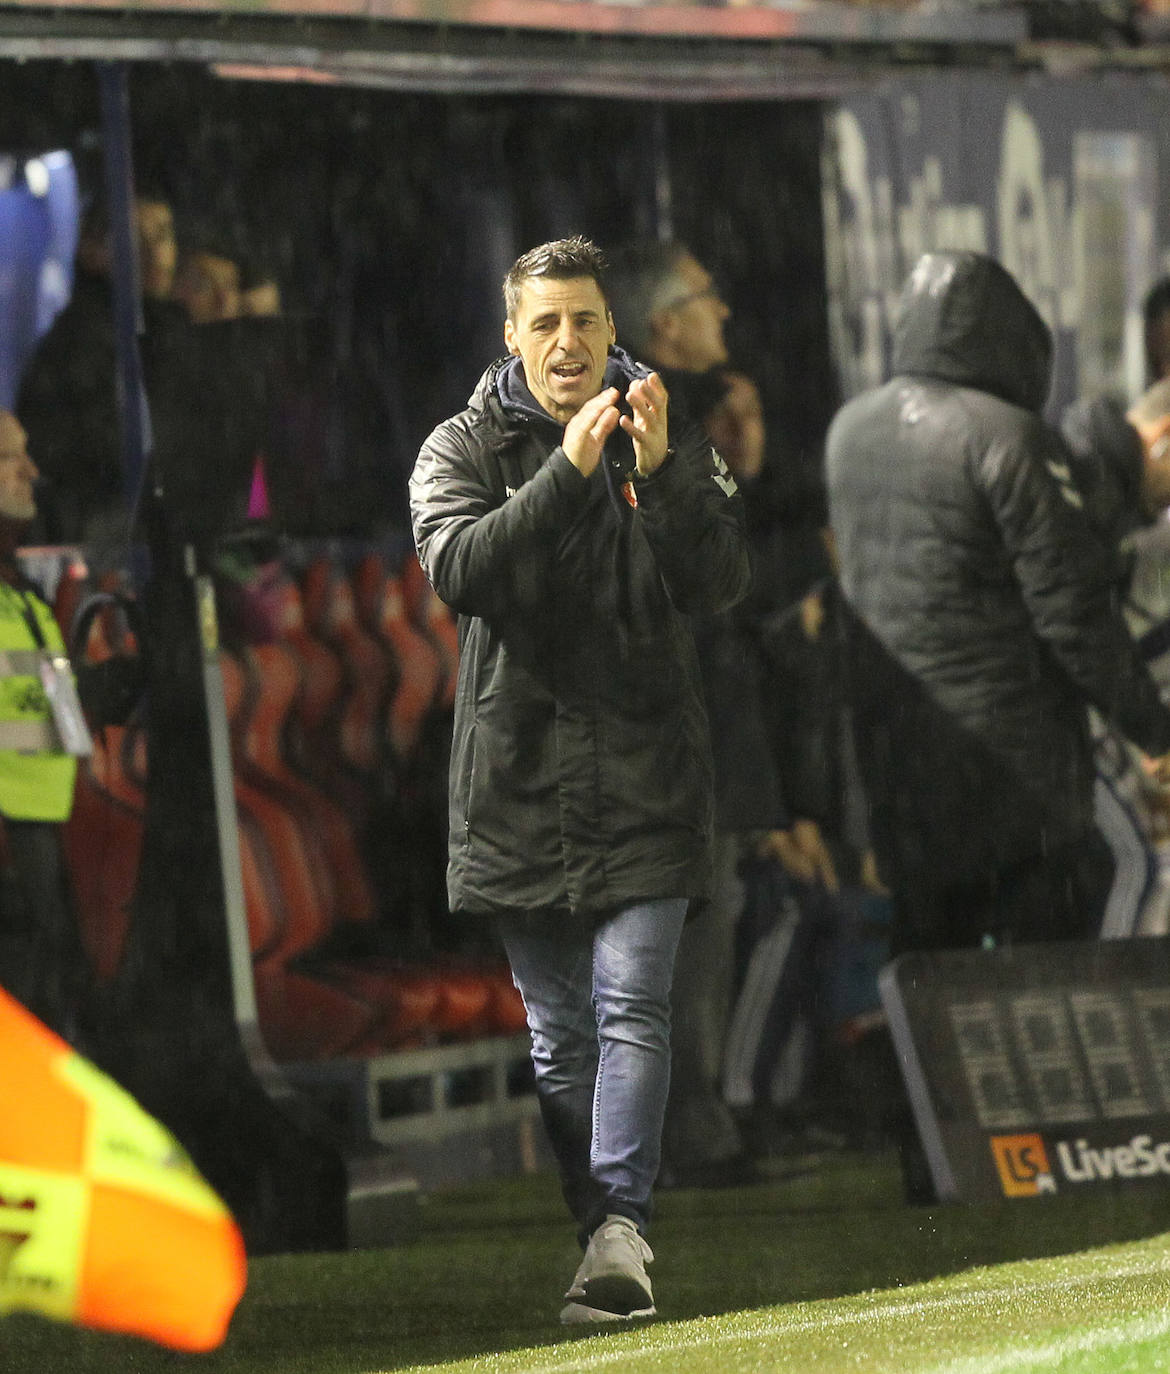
(962, 318)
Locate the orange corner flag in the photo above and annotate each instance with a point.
(104, 1220)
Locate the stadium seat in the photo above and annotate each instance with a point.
(301, 1016)
(311, 744)
(505, 1013)
(102, 841)
(73, 587)
(420, 671)
(275, 675)
(433, 617)
(304, 884)
(368, 668)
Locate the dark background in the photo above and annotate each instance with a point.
(390, 219)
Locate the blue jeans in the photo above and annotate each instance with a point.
(597, 995)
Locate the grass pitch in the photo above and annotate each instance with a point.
(823, 1270)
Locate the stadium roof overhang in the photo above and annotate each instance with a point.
(648, 50)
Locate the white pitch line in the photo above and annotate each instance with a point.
(763, 1325)
(1030, 1357)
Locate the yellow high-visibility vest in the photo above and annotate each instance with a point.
(36, 774)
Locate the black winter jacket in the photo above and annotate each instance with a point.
(748, 793)
(581, 761)
(1107, 470)
(985, 614)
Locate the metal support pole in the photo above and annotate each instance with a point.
(663, 187)
(125, 276)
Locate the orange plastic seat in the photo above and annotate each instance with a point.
(505, 1013)
(311, 741)
(301, 1016)
(276, 676)
(311, 1005)
(435, 619)
(420, 671)
(72, 589)
(368, 669)
(102, 842)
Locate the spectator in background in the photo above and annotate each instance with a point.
(573, 539)
(214, 281)
(983, 623)
(207, 283)
(1121, 466)
(260, 293)
(67, 400)
(1156, 321)
(672, 317)
(41, 959)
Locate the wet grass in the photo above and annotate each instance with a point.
(821, 1268)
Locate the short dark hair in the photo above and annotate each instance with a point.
(559, 260)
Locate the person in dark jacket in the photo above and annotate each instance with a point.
(1121, 467)
(1156, 330)
(984, 623)
(68, 399)
(1121, 464)
(672, 318)
(574, 529)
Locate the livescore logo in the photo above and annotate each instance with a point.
(1025, 1171)
(1022, 1161)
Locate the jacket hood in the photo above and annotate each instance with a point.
(962, 318)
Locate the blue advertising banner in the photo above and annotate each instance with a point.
(1055, 177)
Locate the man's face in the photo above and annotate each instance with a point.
(157, 251)
(692, 323)
(17, 471)
(561, 333)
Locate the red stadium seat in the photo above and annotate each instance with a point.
(301, 1016)
(420, 669)
(102, 842)
(276, 677)
(304, 881)
(368, 668)
(433, 617)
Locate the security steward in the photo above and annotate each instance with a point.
(42, 733)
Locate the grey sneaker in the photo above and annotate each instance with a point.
(611, 1283)
(577, 1313)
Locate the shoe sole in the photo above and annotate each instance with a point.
(618, 1293)
(581, 1314)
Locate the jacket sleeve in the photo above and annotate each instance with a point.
(1107, 468)
(693, 516)
(484, 557)
(1066, 574)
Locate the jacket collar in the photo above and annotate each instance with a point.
(505, 384)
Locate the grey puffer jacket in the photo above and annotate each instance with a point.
(1107, 470)
(985, 618)
(581, 761)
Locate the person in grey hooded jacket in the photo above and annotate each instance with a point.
(574, 525)
(984, 621)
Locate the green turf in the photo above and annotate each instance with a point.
(824, 1270)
